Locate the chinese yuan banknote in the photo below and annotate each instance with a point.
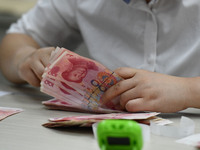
(78, 83)
(90, 119)
(64, 105)
(6, 112)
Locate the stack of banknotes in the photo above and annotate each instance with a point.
(88, 120)
(78, 83)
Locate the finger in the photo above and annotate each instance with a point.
(129, 95)
(136, 105)
(31, 78)
(34, 81)
(140, 104)
(38, 69)
(45, 59)
(126, 72)
(117, 89)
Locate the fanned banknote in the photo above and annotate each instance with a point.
(64, 105)
(87, 121)
(78, 83)
(7, 111)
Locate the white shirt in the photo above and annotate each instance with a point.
(162, 36)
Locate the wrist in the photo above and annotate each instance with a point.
(194, 92)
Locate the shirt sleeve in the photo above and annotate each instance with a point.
(49, 24)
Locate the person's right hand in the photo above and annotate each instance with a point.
(143, 90)
(32, 67)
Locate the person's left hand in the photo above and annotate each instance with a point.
(31, 68)
(149, 91)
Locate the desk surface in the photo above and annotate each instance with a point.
(23, 131)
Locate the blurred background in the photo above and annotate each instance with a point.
(11, 10)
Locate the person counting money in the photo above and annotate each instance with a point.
(152, 44)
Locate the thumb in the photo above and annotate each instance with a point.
(126, 72)
(136, 105)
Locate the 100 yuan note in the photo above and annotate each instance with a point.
(90, 119)
(65, 105)
(6, 111)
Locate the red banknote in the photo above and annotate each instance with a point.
(90, 119)
(78, 83)
(6, 112)
(64, 105)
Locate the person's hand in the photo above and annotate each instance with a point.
(32, 67)
(149, 91)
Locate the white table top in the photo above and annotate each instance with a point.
(23, 131)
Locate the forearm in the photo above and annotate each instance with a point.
(194, 92)
(13, 49)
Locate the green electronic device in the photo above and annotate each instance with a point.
(119, 135)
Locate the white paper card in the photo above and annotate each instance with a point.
(186, 128)
(192, 140)
(2, 93)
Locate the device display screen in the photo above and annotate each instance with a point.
(118, 140)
